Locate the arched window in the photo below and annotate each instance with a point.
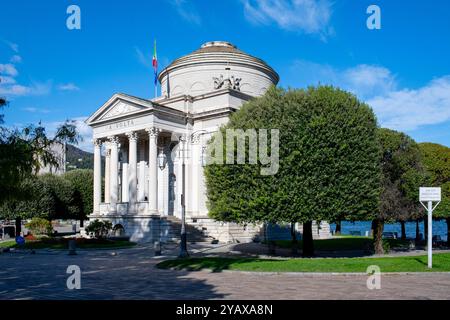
(118, 230)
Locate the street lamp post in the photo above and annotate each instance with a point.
(183, 244)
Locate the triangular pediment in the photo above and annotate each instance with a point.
(118, 106)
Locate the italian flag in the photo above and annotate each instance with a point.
(155, 62)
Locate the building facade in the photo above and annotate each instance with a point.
(59, 151)
(145, 143)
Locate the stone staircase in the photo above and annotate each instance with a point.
(193, 234)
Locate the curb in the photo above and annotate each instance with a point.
(313, 274)
(321, 274)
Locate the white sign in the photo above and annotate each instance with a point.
(430, 194)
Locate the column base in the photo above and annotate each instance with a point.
(153, 212)
(112, 208)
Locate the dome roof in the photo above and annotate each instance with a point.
(223, 52)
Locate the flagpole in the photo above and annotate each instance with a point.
(155, 68)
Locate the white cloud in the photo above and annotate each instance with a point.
(8, 83)
(16, 59)
(308, 16)
(36, 110)
(83, 129)
(68, 87)
(403, 109)
(367, 80)
(8, 69)
(363, 80)
(13, 46)
(187, 11)
(145, 60)
(7, 80)
(36, 88)
(409, 109)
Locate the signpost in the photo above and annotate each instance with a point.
(428, 195)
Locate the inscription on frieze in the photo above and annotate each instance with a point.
(121, 124)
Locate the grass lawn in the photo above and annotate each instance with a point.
(344, 243)
(7, 244)
(60, 243)
(441, 262)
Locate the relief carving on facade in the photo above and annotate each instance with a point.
(228, 83)
(119, 109)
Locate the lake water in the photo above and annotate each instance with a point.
(439, 228)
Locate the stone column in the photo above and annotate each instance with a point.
(202, 210)
(153, 170)
(195, 165)
(160, 186)
(97, 175)
(165, 181)
(132, 171)
(125, 184)
(107, 172)
(181, 157)
(114, 174)
(141, 191)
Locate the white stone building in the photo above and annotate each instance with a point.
(143, 139)
(59, 152)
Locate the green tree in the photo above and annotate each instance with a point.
(65, 202)
(38, 203)
(436, 159)
(23, 152)
(82, 183)
(328, 162)
(402, 175)
(49, 197)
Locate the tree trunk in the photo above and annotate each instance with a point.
(81, 223)
(402, 223)
(308, 243)
(425, 229)
(417, 231)
(378, 236)
(294, 245)
(448, 231)
(338, 228)
(372, 228)
(18, 226)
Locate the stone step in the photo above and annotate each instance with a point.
(194, 234)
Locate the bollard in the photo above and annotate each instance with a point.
(272, 246)
(157, 248)
(72, 247)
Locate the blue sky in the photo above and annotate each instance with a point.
(50, 73)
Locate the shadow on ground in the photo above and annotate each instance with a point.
(127, 274)
(263, 250)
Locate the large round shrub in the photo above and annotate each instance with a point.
(328, 162)
(40, 226)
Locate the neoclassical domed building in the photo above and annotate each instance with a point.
(143, 142)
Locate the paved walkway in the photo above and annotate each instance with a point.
(131, 274)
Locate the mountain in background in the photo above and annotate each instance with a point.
(79, 159)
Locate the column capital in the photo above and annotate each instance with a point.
(195, 138)
(153, 132)
(113, 140)
(182, 137)
(132, 135)
(97, 142)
